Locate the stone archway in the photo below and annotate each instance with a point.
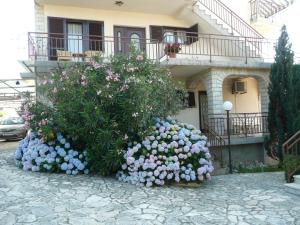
(214, 79)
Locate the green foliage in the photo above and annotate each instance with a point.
(280, 114)
(259, 169)
(295, 98)
(291, 165)
(102, 106)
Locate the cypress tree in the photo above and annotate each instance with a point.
(280, 115)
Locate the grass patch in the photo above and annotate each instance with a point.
(259, 169)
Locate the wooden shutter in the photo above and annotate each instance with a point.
(56, 36)
(95, 36)
(156, 33)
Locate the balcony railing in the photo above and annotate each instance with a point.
(189, 44)
(241, 124)
(49, 46)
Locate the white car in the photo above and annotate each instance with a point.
(12, 128)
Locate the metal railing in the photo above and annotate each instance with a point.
(291, 148)
(48, 46)
(190, 44)
(214, 140)
(230, 18)
(241, 124)
(292, 145)
(61, 47)
(267, 8)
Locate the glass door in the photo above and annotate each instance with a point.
(75, 38)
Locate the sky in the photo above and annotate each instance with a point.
(17, 18)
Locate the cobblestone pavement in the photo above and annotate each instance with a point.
(38, 198)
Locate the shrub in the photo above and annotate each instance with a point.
(172, 152)
(291, 165)
(56, 155)
(104, 105)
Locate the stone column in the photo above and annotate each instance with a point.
(39, 18)
(214, 87)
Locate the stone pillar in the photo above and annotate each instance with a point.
(39, 18)
(214, 88)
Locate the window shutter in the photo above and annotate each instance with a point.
(156, 33)
(95, 36)
(56, 37)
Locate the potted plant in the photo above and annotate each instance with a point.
(171, 49)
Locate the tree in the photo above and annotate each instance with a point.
(280, 112)
(295, 97)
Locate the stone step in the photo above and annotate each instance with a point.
(297, 179)
(293, 188)
(218, 170)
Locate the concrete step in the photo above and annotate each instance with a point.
(293, 188)
(218, 170)
(297, 179)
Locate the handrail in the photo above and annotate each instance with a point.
(291, 142)
(230, 18)
(214, 139)
(266, 8)
(292, 147)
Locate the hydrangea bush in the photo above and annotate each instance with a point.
(35, 154)
(174, 152)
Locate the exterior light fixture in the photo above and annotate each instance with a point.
(119, 3)
(227, 107)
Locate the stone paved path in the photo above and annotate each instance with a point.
(36, 198)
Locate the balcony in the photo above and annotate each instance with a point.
(184, 45)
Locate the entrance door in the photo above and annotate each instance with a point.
(125, 37)
(203, 109)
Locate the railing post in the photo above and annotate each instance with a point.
(28, 36)
(245, 124)
(209, 42)
(231, 24)
(246, 50)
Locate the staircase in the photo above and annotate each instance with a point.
(215, 140)
(292, 148)
(294, 188)
(224, 19)
(267, 8)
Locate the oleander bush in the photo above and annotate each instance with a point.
(100, 107)
(172, 152)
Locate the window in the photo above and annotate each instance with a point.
(181, 37)
(119, 41)
(169, 37)
(135, 41)
(188, 99)
(75, 37)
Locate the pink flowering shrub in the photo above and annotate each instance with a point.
(173, 152)
(102, 106)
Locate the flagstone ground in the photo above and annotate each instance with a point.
(39, 198)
